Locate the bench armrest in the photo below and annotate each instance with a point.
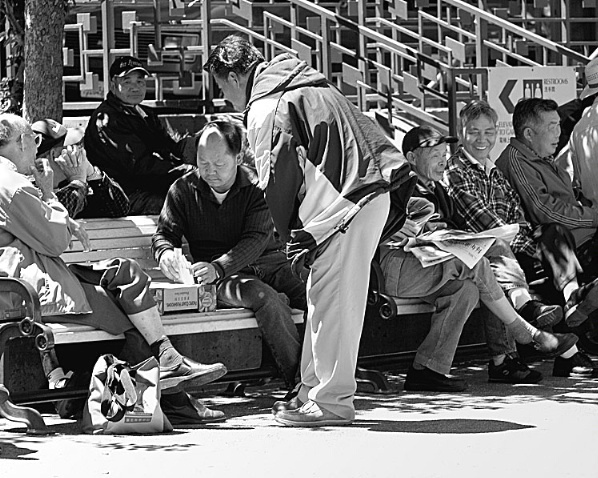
(31, 306)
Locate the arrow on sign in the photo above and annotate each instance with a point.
(504, 96)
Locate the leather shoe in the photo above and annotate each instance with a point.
(588, 338)
(540, 315)
(310, 415)
(192, 412)
(577, 366)
(582, 303)
(188, 372)
(427, 380)
(553, 344)
(281, 405)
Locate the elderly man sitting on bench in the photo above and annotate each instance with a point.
(35, 229)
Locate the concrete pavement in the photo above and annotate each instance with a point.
(492, 430)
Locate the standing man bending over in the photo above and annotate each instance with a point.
(127, 141)
(223, 215)
(321, 163)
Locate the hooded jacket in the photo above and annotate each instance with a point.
(317, 156)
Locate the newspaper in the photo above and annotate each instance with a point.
(441, 245)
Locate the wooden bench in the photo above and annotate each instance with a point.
(130, 237)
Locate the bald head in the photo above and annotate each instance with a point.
(219, 154)
(17, 142)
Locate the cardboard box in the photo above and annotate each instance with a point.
(172, 297)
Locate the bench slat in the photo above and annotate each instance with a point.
(174, 324)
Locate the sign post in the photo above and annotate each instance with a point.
(507, 85)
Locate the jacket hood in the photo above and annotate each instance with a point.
(283, 73)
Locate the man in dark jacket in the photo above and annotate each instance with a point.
(323, 166)
(224, 218)
(127, 141)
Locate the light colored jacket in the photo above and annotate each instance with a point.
(317, 156)
(33, 234)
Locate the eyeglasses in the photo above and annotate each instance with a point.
(37, 137)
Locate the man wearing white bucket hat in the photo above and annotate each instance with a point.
(85, 190)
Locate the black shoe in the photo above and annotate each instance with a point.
(581, 304)
(578, 366)
(512, 370)
(72, 407)
(190, 412)
(427, 380)
(189, 372)
(588, 339)
(539, 314)
(553, 344)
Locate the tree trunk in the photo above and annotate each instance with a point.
(44, 27)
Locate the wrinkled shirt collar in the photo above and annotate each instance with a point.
(7, 163)
(487, 166)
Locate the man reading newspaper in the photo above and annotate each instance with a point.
(452, 286)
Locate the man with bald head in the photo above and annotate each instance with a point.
(222, 214)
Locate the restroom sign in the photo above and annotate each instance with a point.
(507, 85)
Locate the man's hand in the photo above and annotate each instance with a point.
(410, 228)
(435, 225)
(44, 178)
(204, 272)
(169, 265)
(74, 164)
(80, 233)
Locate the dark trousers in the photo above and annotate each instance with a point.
(556, 256)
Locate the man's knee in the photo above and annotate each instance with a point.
(123, 271)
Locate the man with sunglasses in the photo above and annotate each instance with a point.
(129, 143)
(113, 295)
(223, 215)
(85, 190)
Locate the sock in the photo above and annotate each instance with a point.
(57, 378)
(569, 289)
(519, 297)
(522, 331)
(570, 353)
(499, 359)
(165, 352)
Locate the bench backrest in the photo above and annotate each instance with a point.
(129, 237)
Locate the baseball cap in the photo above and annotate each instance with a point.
(591, 73)
(55, 134)
(424, 137)
(123, 65)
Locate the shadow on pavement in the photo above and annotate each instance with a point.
(10, 451)
(443, 426)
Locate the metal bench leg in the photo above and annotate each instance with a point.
(372, 381)
(32, 418)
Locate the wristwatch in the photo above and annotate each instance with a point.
(97, 174)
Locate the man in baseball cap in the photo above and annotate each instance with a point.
(126, 140)
(429, 166)
(124, 65)
(424, 137)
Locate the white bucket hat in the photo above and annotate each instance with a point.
(591, 73)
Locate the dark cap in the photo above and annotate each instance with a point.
(123, 65)
(55, 134)
(424, 137)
